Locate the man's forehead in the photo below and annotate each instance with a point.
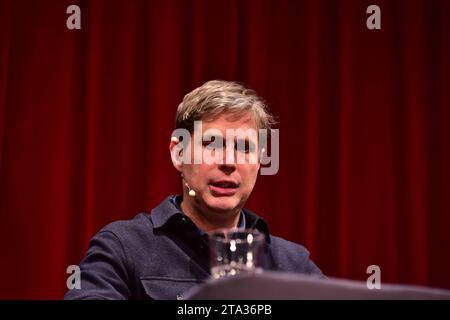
(244, 120)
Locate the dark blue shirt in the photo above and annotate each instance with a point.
(162, 255)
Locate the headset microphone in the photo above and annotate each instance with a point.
(191, 191)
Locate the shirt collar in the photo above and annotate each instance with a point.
(170, 209)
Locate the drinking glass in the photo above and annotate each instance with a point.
(235, 251)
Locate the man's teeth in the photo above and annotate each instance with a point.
(225, 185)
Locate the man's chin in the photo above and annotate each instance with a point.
(222, 204)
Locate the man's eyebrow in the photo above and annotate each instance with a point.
(210, 135)
(246, 139)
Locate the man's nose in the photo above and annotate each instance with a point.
(229, 160)
(229, 155)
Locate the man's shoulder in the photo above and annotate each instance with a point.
(288, 246)
(140, 224)
(292, 257)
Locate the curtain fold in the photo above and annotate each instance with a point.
(364, 116)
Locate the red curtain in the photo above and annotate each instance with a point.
(364, 118)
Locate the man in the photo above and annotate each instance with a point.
(162, 255)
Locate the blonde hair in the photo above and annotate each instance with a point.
(216, 97)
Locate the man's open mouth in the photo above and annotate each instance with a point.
(223, 188)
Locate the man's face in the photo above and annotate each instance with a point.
(226, 186)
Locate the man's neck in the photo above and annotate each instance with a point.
(208, 221)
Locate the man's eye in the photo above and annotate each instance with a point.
(207, 144)
(210, 143)
(244, 147)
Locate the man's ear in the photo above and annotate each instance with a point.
(176, 153)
